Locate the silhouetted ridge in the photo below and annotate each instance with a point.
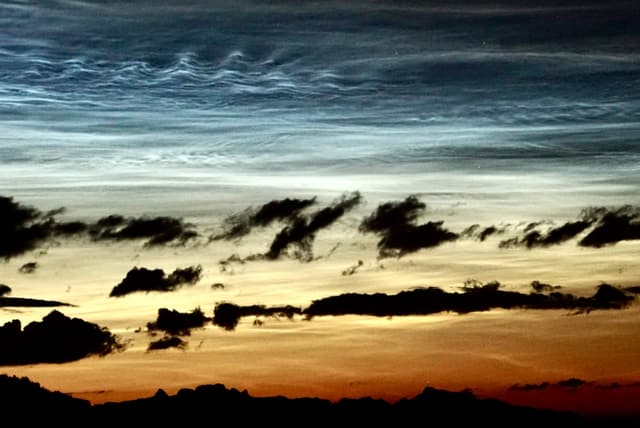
(24, 401)
(433, 405)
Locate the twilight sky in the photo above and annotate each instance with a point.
(408, 122)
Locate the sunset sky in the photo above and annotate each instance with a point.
(396, 126)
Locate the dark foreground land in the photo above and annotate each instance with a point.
(24, 401)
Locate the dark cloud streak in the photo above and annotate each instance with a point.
(156, 230)
(24, 302)
(569, 384)
(607, 227)
(301, 232)
(622, 224)
(241, 224)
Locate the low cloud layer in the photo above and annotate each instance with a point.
(570, 384)
(477, 298)
(227, 315)
(474, 297)
(396, 224)
(178, 323)
(143, 279)
(56, 339)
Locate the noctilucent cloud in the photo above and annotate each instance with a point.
(253, 140)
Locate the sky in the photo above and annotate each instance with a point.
(285, 153)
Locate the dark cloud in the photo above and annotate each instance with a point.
(558, 235)
(423, 301)
(299, 234)
(351, 270)
(541, 287)
(634, 289)
(143, 279)
(56, 339)
(603, 226)
(611, 227)
(29, 267)
(226, 265)
(391, 214)
(395, 223)
(178, 323)
(24, 228)
(470, 231)
(69, 228)
(23, 302)
(227, 315)
(167, 342)
(5, 290)
(487, 231)
(475, 297)
(529, 386)
(239, 225)
(189, 275)
(296, 239)
(156, 230)
(571, 384)
(406, 239)
(481, 233)
(617, 385)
